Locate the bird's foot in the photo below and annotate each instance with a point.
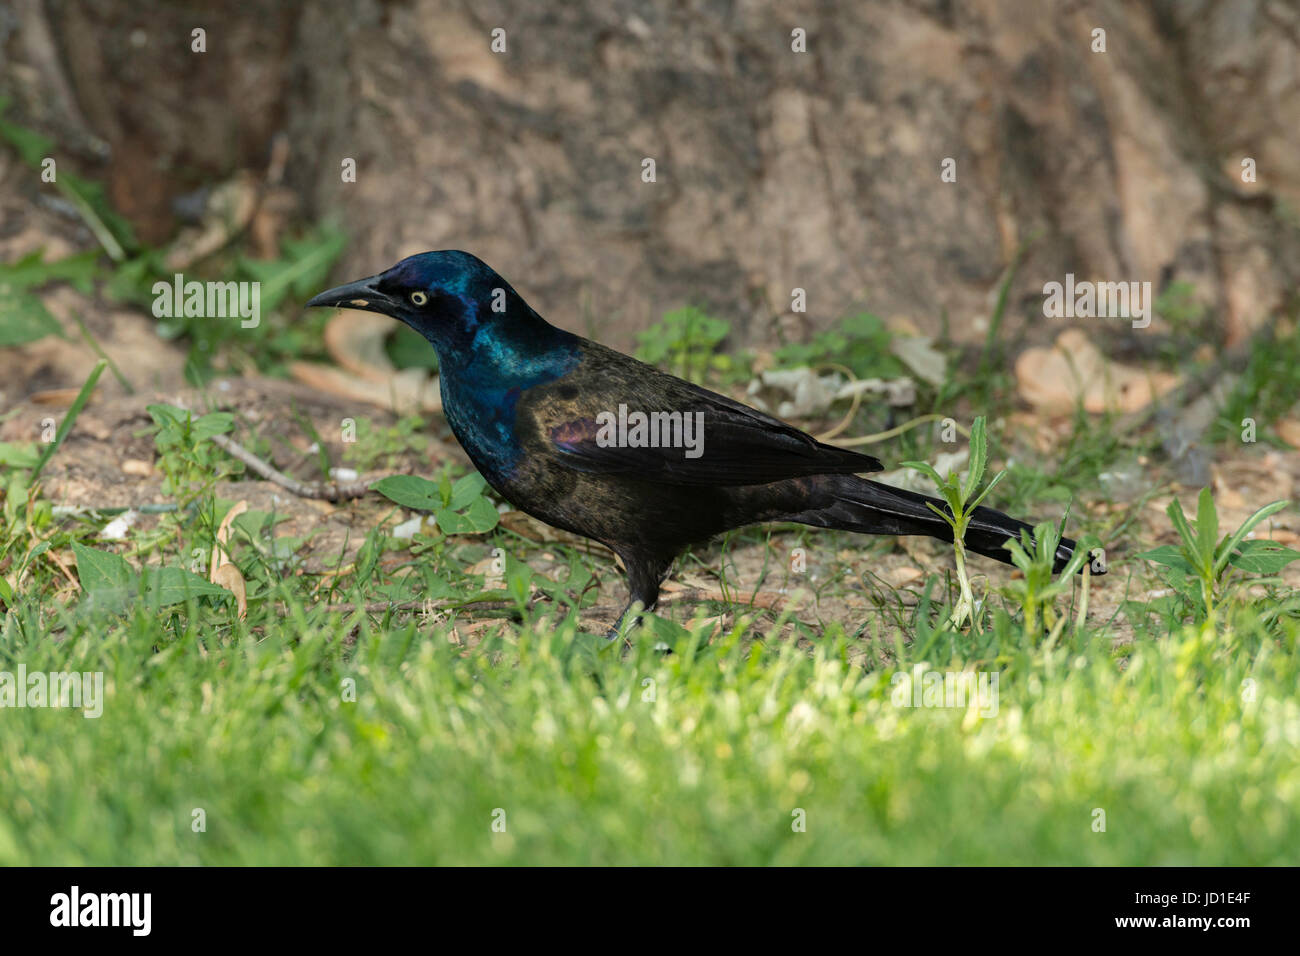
(627, 622)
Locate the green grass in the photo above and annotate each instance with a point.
(557, 729)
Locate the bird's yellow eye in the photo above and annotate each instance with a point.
(419, 298)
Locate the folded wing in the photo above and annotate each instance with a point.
(702, 438)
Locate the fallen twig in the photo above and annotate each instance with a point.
(765, 600)
(54, 559)
(425, 606)
(319, 490)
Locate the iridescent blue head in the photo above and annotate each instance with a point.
(450, 297)
(492, 347)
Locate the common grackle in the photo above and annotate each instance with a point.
(551, 420)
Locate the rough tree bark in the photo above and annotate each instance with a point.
(775, 169)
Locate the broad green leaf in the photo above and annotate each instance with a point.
(18, 454)
(1019, 557)
(411, 492)
(1229, 546)
(253, 522)
(478, 518)
(1170, 556)
(32, 270)
(165, 415)
(518, 580)
(164, 586)
(216, 423)
(31, 145)
(1207, 528)
(465, 490)
(1184, 529)
(978, 457)
(1262, 557)
(23, 317)
(926, 469)
(109, 581)
(102, 570)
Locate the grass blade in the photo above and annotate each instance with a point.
(70, 419)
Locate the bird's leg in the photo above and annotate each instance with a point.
(644, 575)
(630, 617)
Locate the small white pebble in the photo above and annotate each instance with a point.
(116, 529)
(408, 529)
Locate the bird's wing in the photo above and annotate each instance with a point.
(704, 439)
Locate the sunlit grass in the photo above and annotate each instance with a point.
(589, 752)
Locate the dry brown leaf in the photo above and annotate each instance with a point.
(767, 600)
(228, 577)
(1053, 380)
(697, 581)
(229, 209)
(902, 576)
(273, 214)
(1288, 429)
(405, 391)
(1034, 427)
(219, 556)
(1228, 497)
(355, 340)
(527, 526)
(54, 396)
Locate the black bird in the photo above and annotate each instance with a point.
(551, 420)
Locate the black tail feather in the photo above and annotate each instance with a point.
(868, 506)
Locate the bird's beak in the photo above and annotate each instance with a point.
(362, 294)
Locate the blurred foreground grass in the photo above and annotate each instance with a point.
(590, 753)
